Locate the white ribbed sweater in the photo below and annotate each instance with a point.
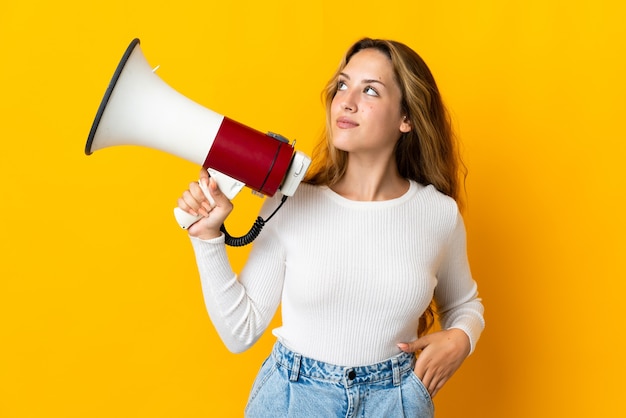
(353, 277)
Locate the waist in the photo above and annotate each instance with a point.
(391, 368)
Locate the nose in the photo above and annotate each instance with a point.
(348, 103)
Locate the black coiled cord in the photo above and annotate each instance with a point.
(246, 239)
(252, 233)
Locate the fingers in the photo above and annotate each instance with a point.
(415, 345)
(205, 197)
(440, 356)
(433, 381)
(432, 377)
(194, 201)
(217, 198)
(430, 380)
(434, 392)
(204, 175)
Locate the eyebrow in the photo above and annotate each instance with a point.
(366, 81)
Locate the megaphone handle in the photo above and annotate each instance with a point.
(228, 185)
(184, 219)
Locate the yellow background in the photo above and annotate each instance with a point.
(101, 313)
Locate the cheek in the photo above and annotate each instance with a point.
(367, 109)
(335, 106)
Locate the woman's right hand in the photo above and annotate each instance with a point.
(195, 202)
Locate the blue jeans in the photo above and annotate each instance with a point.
(290, 385)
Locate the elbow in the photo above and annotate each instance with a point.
(238, 345)
(236, 348)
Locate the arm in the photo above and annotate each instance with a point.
(456, 294)
(460, 314)
(240, 307)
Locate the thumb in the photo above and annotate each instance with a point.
(211, 191)
(415, 345)
(220, 202)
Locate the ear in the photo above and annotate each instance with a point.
(405, 126)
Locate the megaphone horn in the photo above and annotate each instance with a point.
(139, 108)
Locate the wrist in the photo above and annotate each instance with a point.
(460, 339)
(205, 234)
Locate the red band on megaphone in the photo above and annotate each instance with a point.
(254, 158)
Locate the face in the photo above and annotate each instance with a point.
(366, 115)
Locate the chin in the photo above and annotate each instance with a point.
(341, 143)
(340, 146)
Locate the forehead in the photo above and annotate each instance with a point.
(370, 63)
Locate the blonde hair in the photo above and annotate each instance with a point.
(427, 154)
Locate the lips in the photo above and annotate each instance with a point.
(346, 123)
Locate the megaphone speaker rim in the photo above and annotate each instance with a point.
(107, 94)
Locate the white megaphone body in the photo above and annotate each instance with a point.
(140, 109)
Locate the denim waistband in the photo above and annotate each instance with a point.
(299, 365)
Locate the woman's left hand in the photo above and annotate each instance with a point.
(440, 354)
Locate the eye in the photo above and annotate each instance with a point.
(341, 85)
(370, 91)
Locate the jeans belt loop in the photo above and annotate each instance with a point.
(295, 368)
(396, 371)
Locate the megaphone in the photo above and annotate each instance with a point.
(140, 109)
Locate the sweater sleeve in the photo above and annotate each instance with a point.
(240, 307)
(456, 294)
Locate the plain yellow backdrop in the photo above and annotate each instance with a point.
(101, 312)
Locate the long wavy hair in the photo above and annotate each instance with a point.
(427, 154)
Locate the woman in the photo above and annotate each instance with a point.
(355, 256)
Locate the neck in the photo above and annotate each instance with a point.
(371, 181)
